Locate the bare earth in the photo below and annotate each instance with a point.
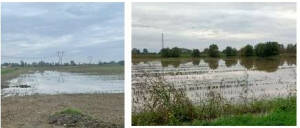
(34, 111)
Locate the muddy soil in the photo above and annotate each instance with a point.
(34, 111)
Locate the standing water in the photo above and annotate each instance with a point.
(53, 82)
(234, 79)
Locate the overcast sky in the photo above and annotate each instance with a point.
(197, 25)
(36, 30)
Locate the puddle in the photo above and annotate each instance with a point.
(53, 82)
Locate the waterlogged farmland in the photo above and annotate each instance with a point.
(54, 82)
(232, 79)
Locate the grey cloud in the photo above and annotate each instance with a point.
(41, 29)
(196, 25)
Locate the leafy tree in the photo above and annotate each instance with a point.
(260, 49)
(267, 49)
(204, 52)
(145, 51)
(195, 53)
(229, 51)
(72, 63)
(213, 51)
(135, 51)
(247, 50)
(175, 52)
(272, 49)
(167, 52)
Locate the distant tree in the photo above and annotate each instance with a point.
(247, 50)
(72, 63)
(204, 52)
(145, 51)
(175, 52)
(229, 51)
(267, 49)
(135, 51)
(66, 64)
(121, 62)
(291, 48)
(195, 53)
(22, 63)
(5, 64)
(41, 63)
(165, 52)
(272, 49)
(112, 62)
(260, 49)
(213, 51)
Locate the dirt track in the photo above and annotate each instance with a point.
(33, 111)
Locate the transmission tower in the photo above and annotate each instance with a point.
(60, 55)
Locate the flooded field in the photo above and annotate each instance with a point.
(53, 82)
(233, 79)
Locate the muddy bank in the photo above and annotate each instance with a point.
(34, 111)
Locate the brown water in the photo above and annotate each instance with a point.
(235, 79)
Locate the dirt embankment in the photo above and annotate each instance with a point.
(34, 111)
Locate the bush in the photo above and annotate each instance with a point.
(163, 105)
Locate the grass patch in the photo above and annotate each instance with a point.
(282, 112)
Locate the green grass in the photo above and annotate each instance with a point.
(5, 71)
(276, 112)
(70, 111)
(282, 112)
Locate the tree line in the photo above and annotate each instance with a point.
(261, 50)
(71, 63)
